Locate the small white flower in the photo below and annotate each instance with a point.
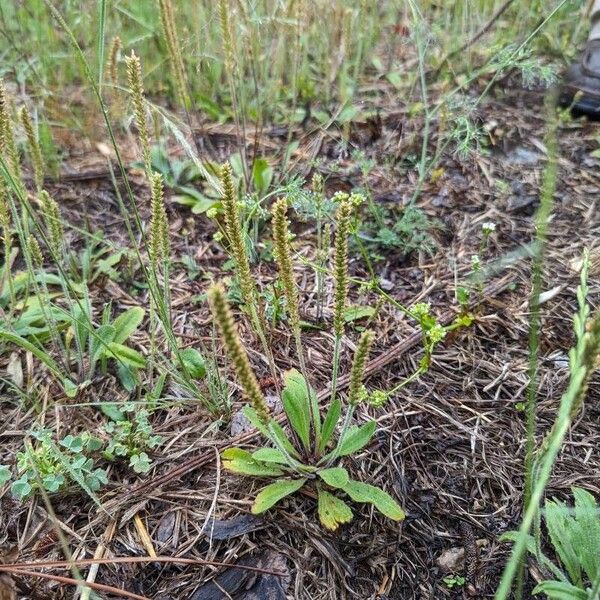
(475, 260)
(488, 227)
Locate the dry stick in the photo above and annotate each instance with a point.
(99, 553)
(375, 365)
(67, 564)
(476, 37)
(69, 581)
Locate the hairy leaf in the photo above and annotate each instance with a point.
(241, 461)
(357, 438)
(297, 405)
(126, 355)
(587, 533)
(194, 362)
(383, 502)
(126, 323)
(278, 432)
(269, 455)
(336, 477)
(331, 420)
(560, 590)
(274, 492)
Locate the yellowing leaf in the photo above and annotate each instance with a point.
(269, 496)
(332, 511)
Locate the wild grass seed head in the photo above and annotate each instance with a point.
(233, 345)
(136, 89)
(4, 209)
(283, 257)
(227, 39)
(173, 47)
(34, 149)
(112, 66)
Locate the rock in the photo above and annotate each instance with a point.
(242, 584)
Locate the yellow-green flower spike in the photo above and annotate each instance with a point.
(158, 243)
(175, 57)
(340, 267)
(35, 252)
(235, 235)
(8, 147)
(54, 224)
(136, 89)
(224, 319)
(112, 67)
(358, 367)
(283, 256)
(226, 36)
(33, 146)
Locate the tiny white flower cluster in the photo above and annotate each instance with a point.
(488, 227)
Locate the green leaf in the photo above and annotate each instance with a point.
(383, 502)
(274, 492)
(127, 377)
(194, 362)
(241, 461)
(336, 477)
(72, 443)
(262, 174)
(126, 323)
(5, 474)
(126, 355)
(587, 533)
(560, 590)
(101, 338)
(296, 405)
(21, 488)
(332, 511)
(357, 438)
(331, 420)
(140, 463)
(269, 455)
(355, 313)
(560, 525)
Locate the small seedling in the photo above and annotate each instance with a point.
(131, 437)
(56, 466)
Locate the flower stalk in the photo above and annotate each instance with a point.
(340, 274)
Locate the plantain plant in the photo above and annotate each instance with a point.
(311, 455)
